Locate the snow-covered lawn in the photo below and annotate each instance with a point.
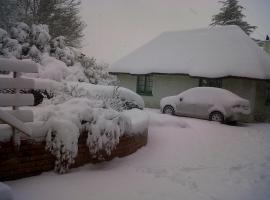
(187, 159)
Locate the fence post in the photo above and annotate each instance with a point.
(15, 134)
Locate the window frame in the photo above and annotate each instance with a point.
(267, 95)
(145, 85)
(210, 82)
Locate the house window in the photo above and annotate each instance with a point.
(144, 85)
(207, 82)
(267, 100)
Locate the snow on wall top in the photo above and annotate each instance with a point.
(210, 52)
(18, 65)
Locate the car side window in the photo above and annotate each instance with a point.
(194, 97)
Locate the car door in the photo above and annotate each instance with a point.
(184, 106)
(202, 105)
(202, 110)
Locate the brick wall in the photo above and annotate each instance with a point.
(32, 159)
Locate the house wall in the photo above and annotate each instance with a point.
(255, 92)
(266, 46)
(245, 88)
(262, 111)
(168, 85)
(127, 81)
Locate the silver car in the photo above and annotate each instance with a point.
(211, 103)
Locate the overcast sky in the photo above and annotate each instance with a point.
(117, 27)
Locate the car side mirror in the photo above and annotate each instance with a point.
(181, 99)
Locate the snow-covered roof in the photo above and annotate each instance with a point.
(210, 52)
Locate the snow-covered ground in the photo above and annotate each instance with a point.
(185, 158)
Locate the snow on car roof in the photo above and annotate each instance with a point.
(213, 90)
(211, 94)
(210, 52)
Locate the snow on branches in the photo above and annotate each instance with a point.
(73, 107)
(64, 123)
(35, 42)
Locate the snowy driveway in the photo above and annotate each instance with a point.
(185, 159)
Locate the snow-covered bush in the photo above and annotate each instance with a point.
(3, 36)
(96, 73)
(9, 47)
(51, 68)
(105, 131)
(34, 53)
(18, 43)
(110, 97)
(20, 32)
(40, 36)
(61, 51)
(76, 74)
(70, 107)
(61, 141)
(118, 102)
(65, 121)
(63, 124)
(23, 42)
(91, 108)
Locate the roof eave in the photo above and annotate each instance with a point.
(221, 77)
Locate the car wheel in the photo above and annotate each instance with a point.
(216, 117)
(168, 110)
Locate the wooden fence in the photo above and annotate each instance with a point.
(11, 114)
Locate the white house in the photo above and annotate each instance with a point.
(220, 57)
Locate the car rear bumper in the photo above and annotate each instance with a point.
(237, 117)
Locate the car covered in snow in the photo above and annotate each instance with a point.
(211, 103)
(113, 95)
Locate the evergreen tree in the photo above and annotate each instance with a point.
(231, 14)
